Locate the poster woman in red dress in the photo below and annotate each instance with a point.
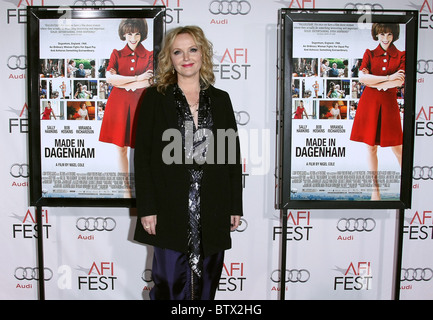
(377, 121)
(129, 71)
(48, 111)
(300, 111)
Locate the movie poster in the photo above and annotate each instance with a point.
(92, 74)
(334, 155)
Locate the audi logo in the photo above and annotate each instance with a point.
(356, 224)
(146, 276)
(424, 66)
(363, 6)
(17, 62)
(242, 117)
(96, 224)
(424, 173)
(416, 274)
(93, 3)
(294, 275)
(19, 170)
(232, 7)
(28, 273)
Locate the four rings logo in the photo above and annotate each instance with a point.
(416, 274)
(28, 273)
(294, 275)
(96, 224)
(424, 66)
(422, 173)
(360, 7)
(19, 170)
(232, 7)
(17, 62)
(356, 224)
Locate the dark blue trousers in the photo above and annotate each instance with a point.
(173, 279)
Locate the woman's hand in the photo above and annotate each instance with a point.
(149, 224)
(398, 76)
(365, 71)
(235, 222)
(145, 75)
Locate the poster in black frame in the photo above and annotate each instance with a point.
(70, 51)
(318, 166)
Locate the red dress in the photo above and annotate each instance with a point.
(299, 112)
(377, 120)
(47, 114)
(118, 123)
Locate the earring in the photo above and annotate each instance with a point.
(173, 70)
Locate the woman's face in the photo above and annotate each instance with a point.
(186, 56)
(132, 39)
(385, 39)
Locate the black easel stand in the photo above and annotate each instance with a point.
(283, 255)
(399, 258)
(40, 254)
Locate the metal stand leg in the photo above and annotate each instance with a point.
(40, 254)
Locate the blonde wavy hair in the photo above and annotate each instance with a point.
(165, 75)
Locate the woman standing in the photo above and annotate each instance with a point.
(129, 72)
(300, 111)
(48, 111)
(377, 120)
(187, 208)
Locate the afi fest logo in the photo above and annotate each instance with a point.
(232, 65)
(426, 15)
(357, 276)
(424, 122)
(19, 15)
(298, 226)
(300, 4)
(420, 226)
(27, 227)
(172, 11)
(100, 276)
(19, 123)
(232, 277)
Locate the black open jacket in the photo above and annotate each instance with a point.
(162, 189)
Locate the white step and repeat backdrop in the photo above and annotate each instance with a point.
(324, 260)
